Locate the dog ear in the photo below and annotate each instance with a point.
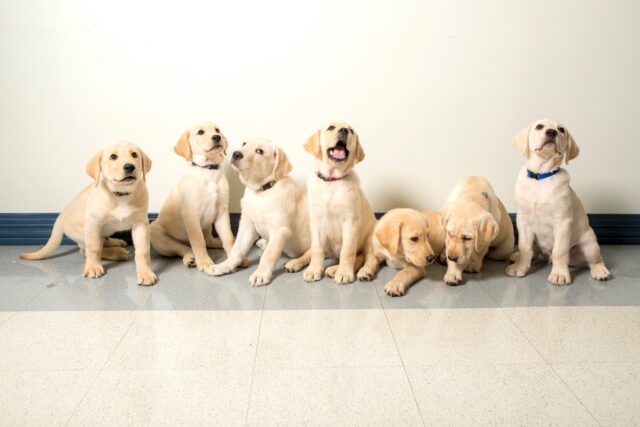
(182, 147)
(521, 141)
(94, 168)
(388, 234)
(359, 155)
(146, 164)
(282, 166)
(487, 230)
(572, 149)
(313, 145)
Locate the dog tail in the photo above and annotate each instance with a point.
(54, 241)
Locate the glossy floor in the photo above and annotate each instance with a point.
(201, 350)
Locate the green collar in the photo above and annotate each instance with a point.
(267, 186)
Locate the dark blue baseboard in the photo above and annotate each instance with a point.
(35, 228)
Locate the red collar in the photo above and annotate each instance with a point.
(328, 178)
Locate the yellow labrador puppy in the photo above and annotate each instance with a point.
(476, 224)
(340, 215)
(117, 201)
(201, 198)
(407, 240)
(274, 207)
(551, 219)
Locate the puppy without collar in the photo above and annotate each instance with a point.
(198, 202)
(117, 201)
(407, 240)
(550, 218)
(476, 225)
(274, 207)
(340, 215)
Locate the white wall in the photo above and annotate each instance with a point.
(436, 89)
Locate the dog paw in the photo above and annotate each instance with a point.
(293, 266)
(93, 271)
(312, 275)
(600, 272)
(189, 260)
(120, 254)
(473, 268)
(366, 274)
(559, 277)
(147, 278)
(113, 242)
(331, 271)
(516, 270)
(260, 278)
(244, 263)
(261, 244)
(219, 269)
(394, 289)
(453, 278)
(343, 276)
(203, 264)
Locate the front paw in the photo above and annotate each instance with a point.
(394, 289)
(260, 278)
(204, 263)
(559, 277)
(312, 274)
(189, 260)
(219, 269)
(93, 271)
(146, 277)
(293, 266)
(600, 272)
(453, 278)
(344, 276)
(474, 267)
(366, 274)
(516, 270)
(261, 244)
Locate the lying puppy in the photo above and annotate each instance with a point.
(117, 201)
(340, 215)
(201, 198)
(407, 240)
(274, 207)
(551, 219)
(476, 224)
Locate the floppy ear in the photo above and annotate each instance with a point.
(93, 167)
(388, 234)
(313, 145)
(487, 230)
(359, 151)
(572, 149)
(283, 166)
(182, 147)
(521, 141)
(146, 165)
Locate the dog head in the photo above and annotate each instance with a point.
(202, 144)
(466, 233)
(337, 145)
(259, 161)
(546, 139)
(405, 232)
(121, 165)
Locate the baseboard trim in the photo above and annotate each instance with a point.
(35, 228)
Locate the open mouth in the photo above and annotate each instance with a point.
(339, 152)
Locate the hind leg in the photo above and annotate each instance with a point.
(115, 254)
(297, 264)
(110, 242)
(212, 242)
(591, 251)
(166, 245)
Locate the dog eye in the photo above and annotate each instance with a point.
(217, 130)
(113, 157)
(414, 239)
(244, 143)
(200, 132)
(259, 151)
(466, 238)
(332, 127)
(561, 129)
(134, 155)
(351, 130)
(539, 126)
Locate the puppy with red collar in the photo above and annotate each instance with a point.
(551, 220)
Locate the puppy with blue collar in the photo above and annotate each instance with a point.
(551, 220)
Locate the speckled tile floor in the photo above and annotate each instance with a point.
(201, 350)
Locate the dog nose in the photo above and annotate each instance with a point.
(216, 138)
(453, 258)
(551, 132)
(128, 167)
(343, 131)
(430, 259)
(237, 155)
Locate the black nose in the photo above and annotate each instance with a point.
(453, 258)
(551, 132)
(237, 155)
(343, 131)
(128, 168)
(216, 138)
(430, 259)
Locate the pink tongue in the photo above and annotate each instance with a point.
(338, 153)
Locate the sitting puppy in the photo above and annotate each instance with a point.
(476, 224)
(551, 219)
(274, 207)
(117, 201)
(184, 225)
(340, 215)
(407, 240)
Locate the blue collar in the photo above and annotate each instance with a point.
(540, 176)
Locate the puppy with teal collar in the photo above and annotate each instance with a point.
(551, 220)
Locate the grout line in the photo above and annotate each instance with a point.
(255, 357)
(101, 370)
